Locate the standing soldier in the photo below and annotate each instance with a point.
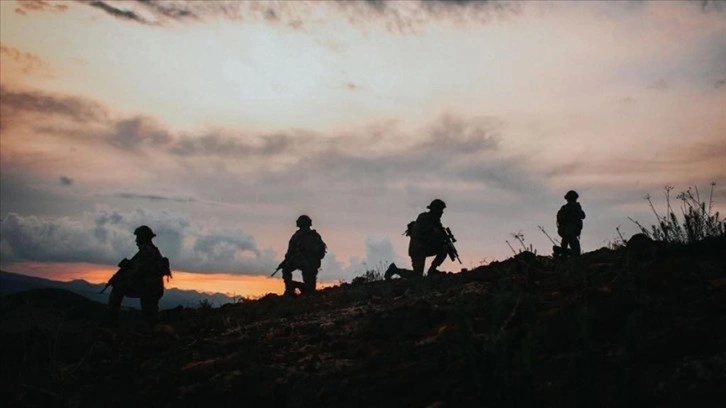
(428, 238)
(141, 277)
(569, 224)
(305, 251)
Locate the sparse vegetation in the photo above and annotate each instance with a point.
(698, 222)
(519, 236)
(371, 275)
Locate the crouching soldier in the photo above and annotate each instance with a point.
(569, 225)
(428, 238)
(305, 252)
(140, 277)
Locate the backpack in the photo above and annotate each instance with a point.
(318, 247)
(312, 245)
(409, 228)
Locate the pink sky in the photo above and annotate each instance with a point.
(219, 126)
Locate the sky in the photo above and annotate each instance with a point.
(218, 123)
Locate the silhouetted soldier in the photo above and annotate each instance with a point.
(569, 224)
(305, 251)
(428, 238)
(141, 277)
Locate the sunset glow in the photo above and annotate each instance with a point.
(242, 286)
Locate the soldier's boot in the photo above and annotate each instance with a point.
(435, 272)
(434, 268)
(392, 270)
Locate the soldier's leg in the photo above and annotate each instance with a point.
(575, 245)
(289, 284)
(417, 262)
(114, 303)
(310, 277)
(150, 306)
(438, 260)
(565, 244)
(402, 272)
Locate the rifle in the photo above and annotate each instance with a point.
(124, 266)
(280, 266)
(453, 253)
(296, 259)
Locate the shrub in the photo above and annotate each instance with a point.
(698, 220)
(525, 248)
(371, 275)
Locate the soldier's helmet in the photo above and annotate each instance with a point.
(437, 204)
(304, 221)
(571, 195)
(144, 232)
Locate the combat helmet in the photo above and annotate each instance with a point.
(437, 204)
(571, 195)
(304, 221)
(144, 232)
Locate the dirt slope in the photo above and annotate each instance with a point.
(627, 327)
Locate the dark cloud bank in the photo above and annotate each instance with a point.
(106, 236)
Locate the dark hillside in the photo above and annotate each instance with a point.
(642, 326)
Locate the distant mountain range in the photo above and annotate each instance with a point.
(14, 282)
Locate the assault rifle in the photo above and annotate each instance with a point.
(280, 266)
(124, 266)
(453, 253)
(295, 259)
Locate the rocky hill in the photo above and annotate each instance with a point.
(640, 326)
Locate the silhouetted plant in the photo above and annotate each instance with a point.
(618, 242)
(525, 248)
(371, 275)
(699, 220)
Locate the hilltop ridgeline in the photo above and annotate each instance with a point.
(641, 325)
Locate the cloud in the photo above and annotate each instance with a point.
(712, 6)
(106, 236)
(30, 63)
(152, 197)
(24, 6)
(227, 145)
(379, 253)
(22, 102)
(400, 16)
(377, 154)
(130, 134)
(659, 85)
(449, 154)
(122, 14)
